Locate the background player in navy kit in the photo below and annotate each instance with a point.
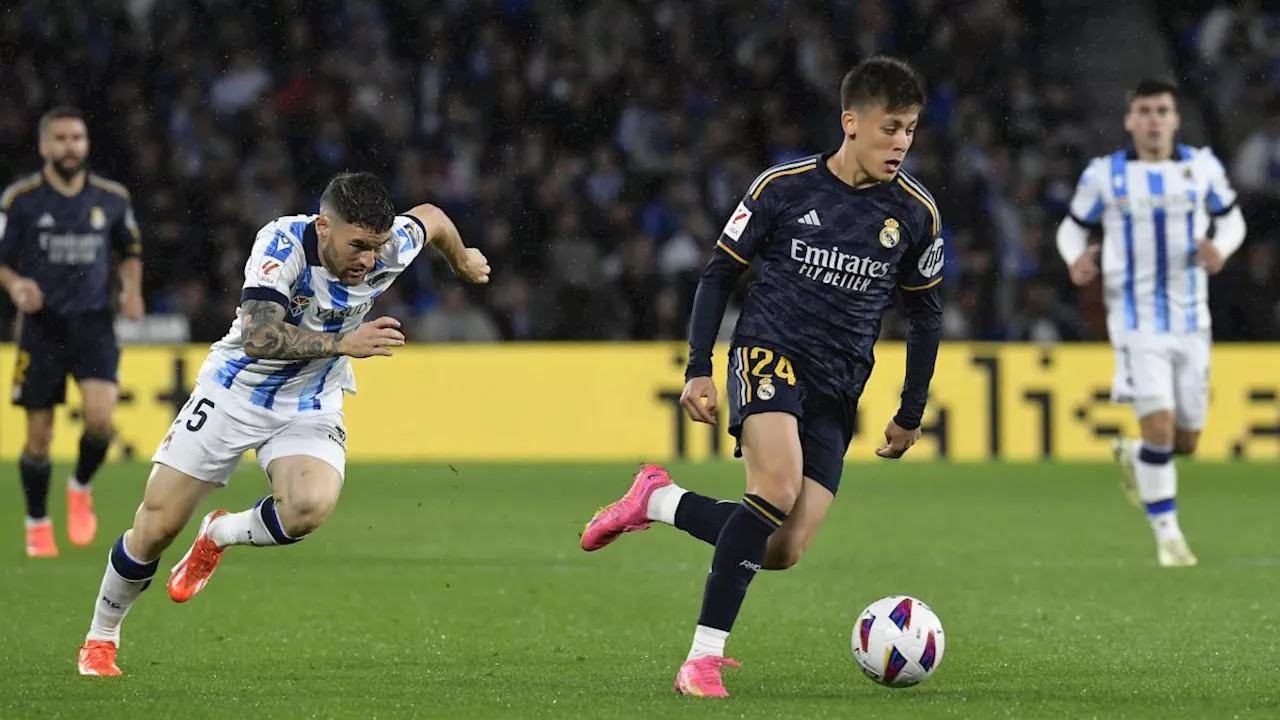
(59, 229)
(836, 237)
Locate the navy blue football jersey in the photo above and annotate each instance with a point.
(830, 259)
(66, 243)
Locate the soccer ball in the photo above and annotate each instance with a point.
(898, 641)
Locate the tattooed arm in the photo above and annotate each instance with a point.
(266, 335)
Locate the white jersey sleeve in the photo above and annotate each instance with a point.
(1221, 197)
(409, 237)
(1088, 202)
(275, 265)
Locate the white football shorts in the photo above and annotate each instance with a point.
(1169, 371)
(218, 426)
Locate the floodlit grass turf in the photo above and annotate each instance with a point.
(435, 593)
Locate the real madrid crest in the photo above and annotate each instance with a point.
(97, 218)
(765, 391)
(889, 234)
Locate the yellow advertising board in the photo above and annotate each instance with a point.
(619, 402)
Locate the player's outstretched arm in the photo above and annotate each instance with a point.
(266, 335)
(468, 263)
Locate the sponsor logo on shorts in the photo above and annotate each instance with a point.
(338, 435)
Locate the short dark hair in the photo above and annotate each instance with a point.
(1150, 87)
(61, 112)
(360, 199)
(883, 81)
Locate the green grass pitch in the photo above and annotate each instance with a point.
(436, 592)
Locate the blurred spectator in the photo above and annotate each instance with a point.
(1043, 319)
(455, 319)
(593, 150)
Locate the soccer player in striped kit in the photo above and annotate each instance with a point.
(1156, 203)
(275, 384)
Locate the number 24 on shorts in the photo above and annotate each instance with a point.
(759, 359)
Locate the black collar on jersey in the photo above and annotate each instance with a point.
(311, 244)
(1181, 151)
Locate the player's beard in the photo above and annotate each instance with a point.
(329, 259)
(68, 174)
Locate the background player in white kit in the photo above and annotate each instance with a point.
(275, 384)
(1155, 203)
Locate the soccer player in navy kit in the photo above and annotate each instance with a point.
(59, 230)
(835, 238)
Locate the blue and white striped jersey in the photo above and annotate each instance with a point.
(1151, 214)
(286, 260)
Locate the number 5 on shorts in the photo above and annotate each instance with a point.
(199, 416)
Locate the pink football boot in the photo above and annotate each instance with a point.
(628, 514)
(701, 677)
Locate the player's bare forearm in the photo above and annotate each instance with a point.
(441, 232)
(131, 275)
(266, 335)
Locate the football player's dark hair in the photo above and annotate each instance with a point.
(61, 112)
(1151, 87)
(360, 199)
(882, 80)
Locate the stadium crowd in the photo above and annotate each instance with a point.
(592, 149)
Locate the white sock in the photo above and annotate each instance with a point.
(663, 503)
(258, 526)
(78, 486)
(124, 580)
(707, 641)
(1158, 488)
(33, 522)
(1165, 525)
(242, 528)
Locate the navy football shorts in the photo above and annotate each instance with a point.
(762, 380)
(51, 347)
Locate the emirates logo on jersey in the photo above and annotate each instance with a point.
(838, 269)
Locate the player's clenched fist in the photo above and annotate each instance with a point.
(1208, 257)
(375, 337)
(699, 399)
(1085, 268)
(26, 295)
(897, 440)
(473, 266)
